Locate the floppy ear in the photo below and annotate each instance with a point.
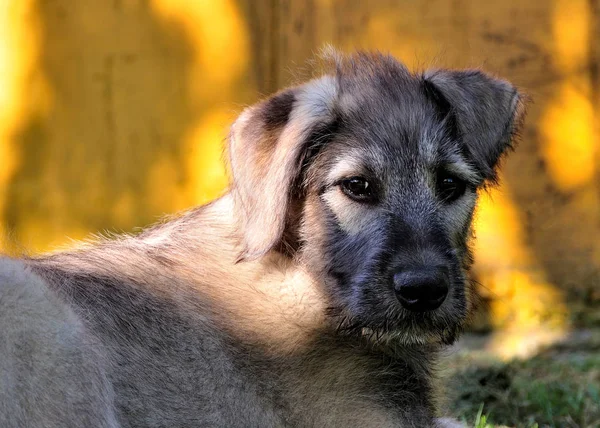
(267, 145)
(486, 111)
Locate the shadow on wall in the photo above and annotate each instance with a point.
(125, 107)
(553, 178)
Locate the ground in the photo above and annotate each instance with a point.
(558, 386)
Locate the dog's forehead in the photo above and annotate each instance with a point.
(386, 107)
(396, 91)
(400, 128)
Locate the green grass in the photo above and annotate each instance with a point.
(557, 389)
(481, 420)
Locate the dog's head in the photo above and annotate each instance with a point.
(369, 175)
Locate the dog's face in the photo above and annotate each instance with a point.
(370, 176)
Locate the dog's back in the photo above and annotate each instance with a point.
(167, 363)
(52, 370)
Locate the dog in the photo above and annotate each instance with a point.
(317, 292)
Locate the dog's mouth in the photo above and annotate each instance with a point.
(403, 331)
(403, 337)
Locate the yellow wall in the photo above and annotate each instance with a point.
(113, 112)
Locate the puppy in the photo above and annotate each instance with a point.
(317, 292)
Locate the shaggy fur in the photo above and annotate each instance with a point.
(274, 305)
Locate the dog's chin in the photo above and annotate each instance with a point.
(411, 337)
(394, 326)
(407, 331)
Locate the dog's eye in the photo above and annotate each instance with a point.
(449, 187)
(357, 188)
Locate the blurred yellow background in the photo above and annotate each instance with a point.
(114, 112)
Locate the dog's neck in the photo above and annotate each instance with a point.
(274, 300)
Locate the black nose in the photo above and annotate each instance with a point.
(422, 289)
